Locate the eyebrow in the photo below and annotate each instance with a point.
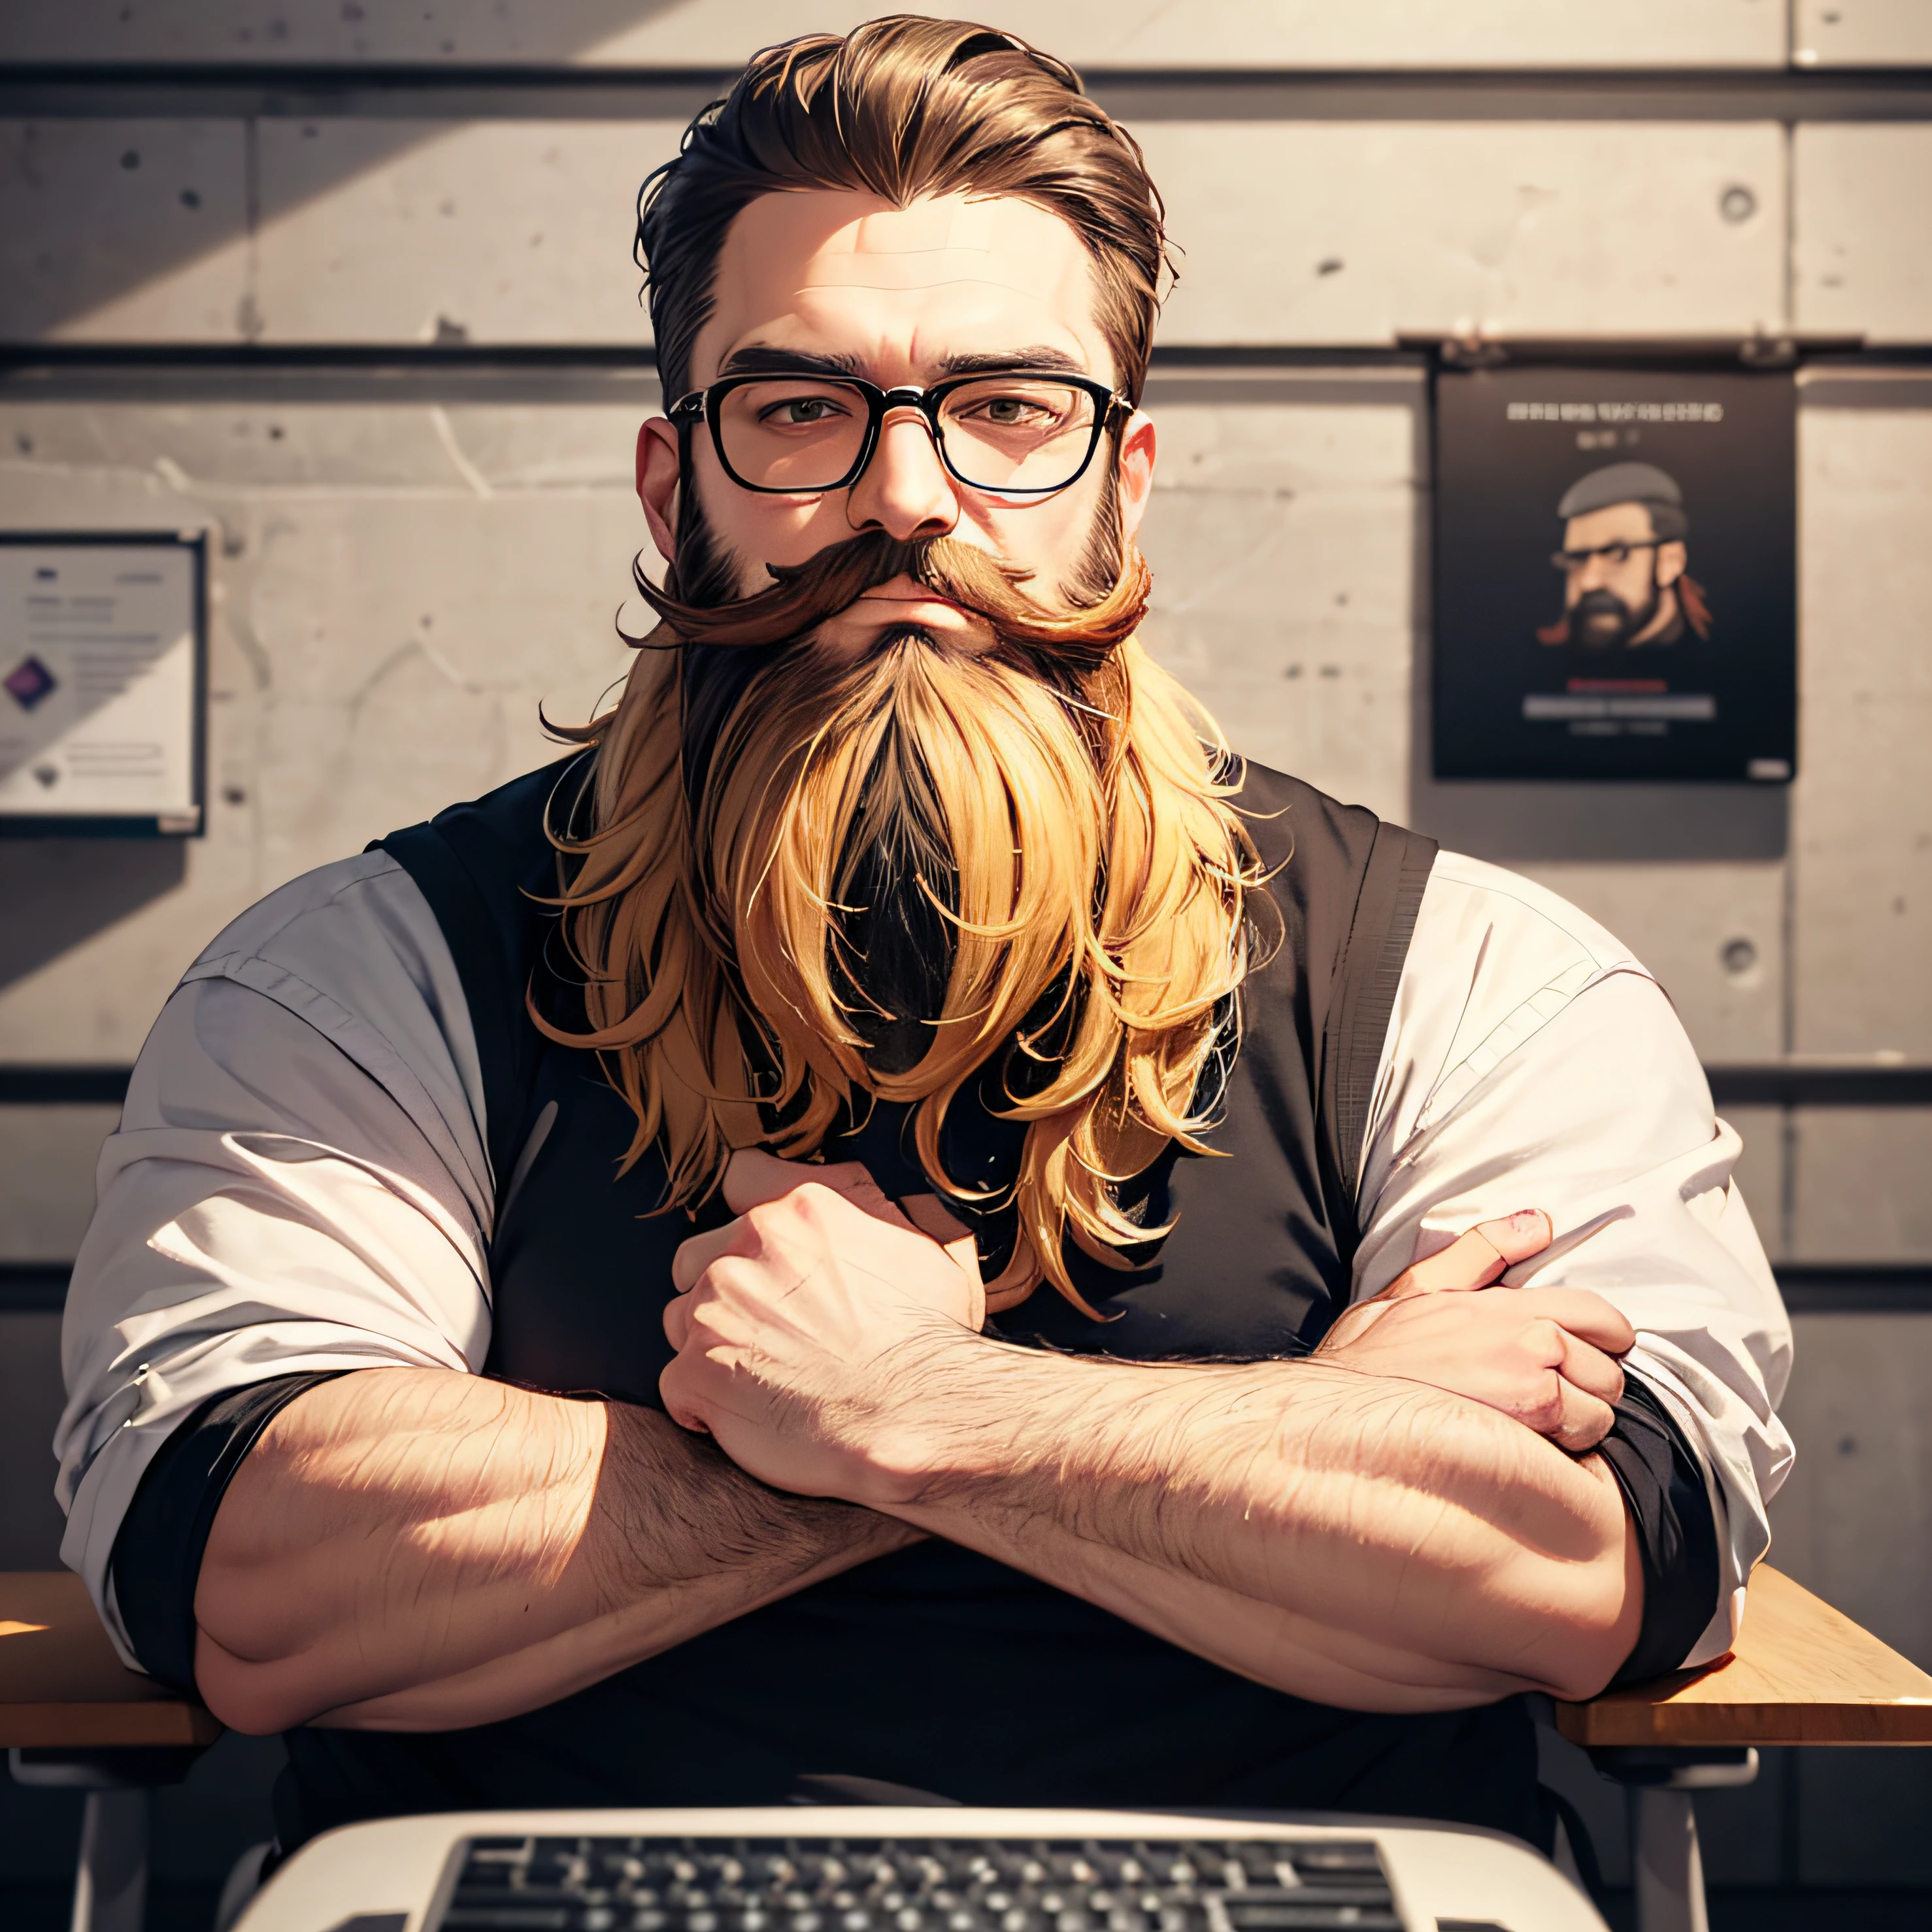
(755, 359)
(1053, 361)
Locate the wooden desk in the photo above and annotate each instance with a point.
(1801, 1674)
(62, 1687)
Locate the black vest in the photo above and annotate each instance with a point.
(1258, 1260)
(938, 1667)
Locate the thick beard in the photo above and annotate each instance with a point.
(911, 820)
(728, 640)
(896, 884)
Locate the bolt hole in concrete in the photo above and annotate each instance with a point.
(1739, 956)
(1737, 204)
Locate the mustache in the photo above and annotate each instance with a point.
(802, 596)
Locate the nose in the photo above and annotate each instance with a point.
(1595, 573)
(904, 490)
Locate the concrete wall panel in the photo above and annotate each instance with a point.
(1858, 1191)
(123, 231)
(386, 619)
(411, 642)
(507, 232)
(1353, 232)
(1693, 925)
(47, 1157)
(1861, 263)
(1759, 1174)
(30, 1522)
(1282, 540)
(402, 232)
(498, 232)
(1860, 1818)
(1862, 811)
(1861, 33)
(1225, 34)
(1854, 1522)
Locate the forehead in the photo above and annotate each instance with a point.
(1615, 523)
(830, 271)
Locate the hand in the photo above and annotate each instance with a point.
(1544, 1355)
(799, 1326)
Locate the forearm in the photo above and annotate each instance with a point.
(1355, 1539)
(417, 1549)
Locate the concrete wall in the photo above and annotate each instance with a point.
(410, 555)
(1221, 35)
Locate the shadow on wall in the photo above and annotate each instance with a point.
(60, 892)
(1529, 819)
(138, 200)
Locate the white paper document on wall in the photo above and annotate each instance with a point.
(100, 680)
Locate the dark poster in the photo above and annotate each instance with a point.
(1615, 575)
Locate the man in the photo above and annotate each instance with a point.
(1624, 561)
(899, 935)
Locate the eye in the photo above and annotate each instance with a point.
(1616, 553)
(802, 411)
(1010, 411)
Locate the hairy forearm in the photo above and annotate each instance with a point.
(419, 1549)
(1356, 1539)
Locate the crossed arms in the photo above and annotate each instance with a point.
(413, 1545)
(417, 1549)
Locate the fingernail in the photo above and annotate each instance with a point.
(1527, 1219)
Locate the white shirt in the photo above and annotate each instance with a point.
(300, 1180)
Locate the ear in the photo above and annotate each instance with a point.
(658, 479)
(1673, 558)
(1136, 473)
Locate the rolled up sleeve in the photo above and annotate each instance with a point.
(292, 1188)
(1535, 1064)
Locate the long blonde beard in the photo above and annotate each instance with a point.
(1084, 852)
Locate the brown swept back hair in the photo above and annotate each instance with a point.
(902, 107)
(1058, 807)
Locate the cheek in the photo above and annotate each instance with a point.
(1048, 538)
(760, 530)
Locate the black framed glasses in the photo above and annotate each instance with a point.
(1612, 553)
(1018, 435)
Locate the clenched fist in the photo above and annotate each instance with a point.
(807, 1328)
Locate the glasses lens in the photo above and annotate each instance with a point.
(1018, 433)
(792, 432)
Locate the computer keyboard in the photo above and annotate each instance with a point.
(807, 1884)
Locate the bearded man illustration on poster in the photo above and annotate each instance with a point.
(1615, 574)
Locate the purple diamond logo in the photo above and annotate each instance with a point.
(28, 682)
